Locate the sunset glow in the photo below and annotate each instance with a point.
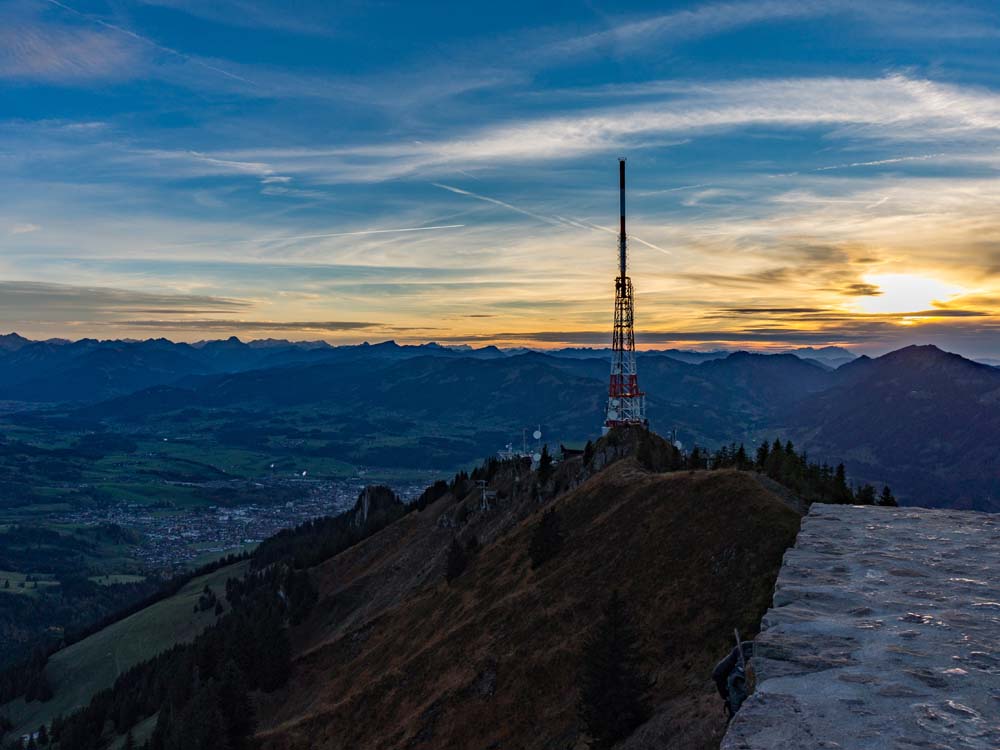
(463, 189)
(901, 293)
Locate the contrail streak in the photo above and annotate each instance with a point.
(554, 220)
(631, 237)
(294, 238)
(674, 189)
(362, 231)
(878, 162)
(150, 42)
(526, 212)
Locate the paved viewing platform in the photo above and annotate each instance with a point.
(884, 633)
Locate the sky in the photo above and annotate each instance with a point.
(801, 173)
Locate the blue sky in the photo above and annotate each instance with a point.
(801, 173)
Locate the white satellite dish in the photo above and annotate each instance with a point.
(537, 434)
(536, 457)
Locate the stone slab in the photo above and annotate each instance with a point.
(884, 634)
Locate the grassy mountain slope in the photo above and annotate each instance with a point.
(394, 657)
(78, 672)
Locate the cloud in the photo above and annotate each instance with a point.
(32, 301)
(32, 51)
(24, 228)
(862, 289)
(771, 310)
(893, 107)
(211, 324)
(753, 279)
(192, 59)
(254, 14)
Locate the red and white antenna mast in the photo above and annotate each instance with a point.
(626, 403)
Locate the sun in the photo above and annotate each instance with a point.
(903, 293)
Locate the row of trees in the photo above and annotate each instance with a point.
(319, 539)
(812, 481)
(27, 678)
(200, 689)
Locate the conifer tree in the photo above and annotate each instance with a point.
(697, 460)
(887, 498)
(762, 453)
(544, 465)
(841, 493)
(546, 541)
(457, 561)
(742, 461)
(235, 706)
(865, 495)
(613, 689)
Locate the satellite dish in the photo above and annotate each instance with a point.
(537, 434)
(536, 457)
(303, 473)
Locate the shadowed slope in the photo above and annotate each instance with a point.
(393, 657)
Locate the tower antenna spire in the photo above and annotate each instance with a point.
(621, 203)
(626, 403)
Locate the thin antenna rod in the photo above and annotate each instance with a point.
(621, 234)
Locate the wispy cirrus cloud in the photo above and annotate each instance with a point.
(215, 325)
(32, 51)
(33, 300)
(145, 40)
(897, 107)
(256, 14)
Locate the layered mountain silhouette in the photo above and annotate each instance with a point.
(918, 418)
(924, 421)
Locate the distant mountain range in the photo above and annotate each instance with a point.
(925, 421)
(90, 370)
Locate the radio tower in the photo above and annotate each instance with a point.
(626, 403)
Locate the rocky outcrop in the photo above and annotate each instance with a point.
(376, 504)
(884, 633)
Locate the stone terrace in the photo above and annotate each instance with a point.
(884, 634)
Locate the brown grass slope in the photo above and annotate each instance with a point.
(394, 657)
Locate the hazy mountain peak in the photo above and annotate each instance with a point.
(13, 341)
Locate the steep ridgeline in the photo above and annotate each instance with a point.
(462, 621)
(394, 655)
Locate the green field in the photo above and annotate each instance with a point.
(76, 673)
(26, 584)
